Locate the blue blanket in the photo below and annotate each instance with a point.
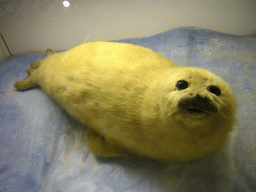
(41, 147)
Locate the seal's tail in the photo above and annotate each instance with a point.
(27, 83)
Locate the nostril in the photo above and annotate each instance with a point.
(200, 97)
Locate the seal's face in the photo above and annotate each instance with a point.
(198, 96)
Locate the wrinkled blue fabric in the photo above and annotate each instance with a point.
(42, 148)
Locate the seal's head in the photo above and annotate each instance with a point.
(198, 96)
(198, 111)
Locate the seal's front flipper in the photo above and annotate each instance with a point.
(101, 146)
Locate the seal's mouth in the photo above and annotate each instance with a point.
(197, 105)
(195, 111)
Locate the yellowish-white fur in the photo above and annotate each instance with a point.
(127, 96)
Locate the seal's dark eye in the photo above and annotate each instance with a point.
(182, 84)
(214, 89)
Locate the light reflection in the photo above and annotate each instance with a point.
(66, 3)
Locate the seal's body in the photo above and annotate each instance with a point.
(136, 101)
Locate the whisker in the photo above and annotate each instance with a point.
(87, 38)
(222, 114)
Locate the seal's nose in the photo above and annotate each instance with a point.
(197, 103)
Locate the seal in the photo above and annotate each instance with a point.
(135, 101)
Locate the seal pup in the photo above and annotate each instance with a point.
(135, 101)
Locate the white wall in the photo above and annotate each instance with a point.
(34, 25)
